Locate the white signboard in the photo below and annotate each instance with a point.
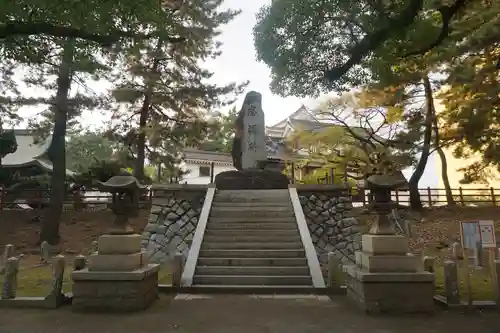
(473, 232)
(470, 234)
(487, 233)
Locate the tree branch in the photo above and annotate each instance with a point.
(374, 40)
(20, 28)
(447, 13)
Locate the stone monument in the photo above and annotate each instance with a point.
(386, 278)
(118, 276)
(249, 154)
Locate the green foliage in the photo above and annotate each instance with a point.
(86, 150)
(220, 133)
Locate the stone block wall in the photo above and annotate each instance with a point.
(173, 219)
(326, 208)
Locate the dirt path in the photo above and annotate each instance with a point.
(242, 314)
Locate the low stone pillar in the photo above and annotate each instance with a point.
(456, 251)
(177, 266)
(56, 297)
(334, 269)
(7, 253)
(497, 268)
(45, 253)
(428, 263)
(10, 279)
(79, 262)
(451, 282)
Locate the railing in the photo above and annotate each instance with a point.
(39, 198)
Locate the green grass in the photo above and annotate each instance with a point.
(480, 282)
(37, 281)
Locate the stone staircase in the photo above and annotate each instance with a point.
(252, 242)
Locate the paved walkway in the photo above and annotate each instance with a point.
(243, 314)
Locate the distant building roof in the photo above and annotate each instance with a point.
(29, 153)
(27, 150)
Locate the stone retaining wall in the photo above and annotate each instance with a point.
(174, 216)
(326, 209)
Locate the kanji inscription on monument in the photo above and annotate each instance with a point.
(253, 145)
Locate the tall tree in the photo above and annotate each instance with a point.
(166, 89)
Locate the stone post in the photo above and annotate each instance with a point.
(45, 252)
(334, 265)
(8, 253)
(497, 268)
(478, 252)
(456, 251)
(451, 282)
(58, 266)
(79, 262)
(177, 269)
(428, 264)
(10, 280)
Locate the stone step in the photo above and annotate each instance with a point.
(243, 209)
(256, 280)
(252, 204)
(254, 213)
(253, 270)
(202, 261)
(251, 225)
(295, 253)
(251, 219)
(243, 238)
(251, 232)
(256, 290)
(251, 245)
(253, 193)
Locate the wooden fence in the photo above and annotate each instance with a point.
(39, 198)
(430, 197)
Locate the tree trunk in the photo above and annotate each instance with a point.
(444, 164)
(143, 119)
(415, 202)
(141, 140)
(57, 150)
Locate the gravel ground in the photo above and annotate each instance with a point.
(243, 314)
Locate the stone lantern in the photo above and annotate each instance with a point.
(126, 191)
(119, 276)
(386, 278)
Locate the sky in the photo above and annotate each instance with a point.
(238, 63)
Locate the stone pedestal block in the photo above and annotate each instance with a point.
(392, 293)
(115, 291)
(119, 244)
(116, 262)
(387, 279)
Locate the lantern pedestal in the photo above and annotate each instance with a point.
(118, 277)
(387, 279)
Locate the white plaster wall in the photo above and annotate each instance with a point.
(193, 177)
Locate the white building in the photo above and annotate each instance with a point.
(198, 164)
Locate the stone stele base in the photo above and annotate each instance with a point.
(115, 291)
(386, 279)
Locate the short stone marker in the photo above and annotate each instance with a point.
(334, 269)
(45, 252)
(56, 296)
(428, 264)
(10, 281)
(177, 270)
(456, 251)
(79, 263)
(7, 253)
(451, 282)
